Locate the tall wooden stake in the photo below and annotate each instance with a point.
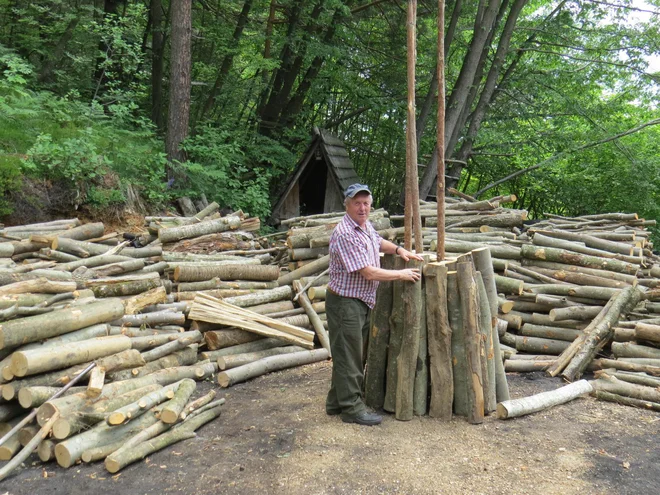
(440, 194)
(412, 221)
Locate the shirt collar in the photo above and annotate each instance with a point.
(354, 225)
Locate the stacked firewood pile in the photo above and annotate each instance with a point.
(79, 307)
(134, 322)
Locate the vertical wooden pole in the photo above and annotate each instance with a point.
(458, 355)
(379, 334)
(440, 193)
(396, 335)
(413, 221)
(488, 356)
(406, 362)
(421, 393)
(439, 341)
(470, 314)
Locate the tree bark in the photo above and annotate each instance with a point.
(274, 363)
(563, 256)
(180, 82)
(439, 339)
(395, 340)
(58, 322)
(35, 361)
(488, 357)
(175, 234)
(470, 316)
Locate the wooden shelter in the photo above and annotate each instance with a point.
(319, 180)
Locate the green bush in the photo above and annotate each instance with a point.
(230, 167)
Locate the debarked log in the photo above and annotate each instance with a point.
(545, 400)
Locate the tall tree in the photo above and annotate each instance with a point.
(178, 116)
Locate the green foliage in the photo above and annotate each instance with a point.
(234, 168)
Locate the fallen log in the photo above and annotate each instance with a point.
(545, 400)
(35, 361)
(58, 322)
(601, 333)
(226, 272)
(125, 456)
(571, 258)
(174, 234)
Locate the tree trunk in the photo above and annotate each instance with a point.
(312, 268)
(396, 326)
(157, 50)
(470, 316)
(221, 339)
(180, 82)
(175, 234)
(488, 357)
(58, 322)
(235, 360)
(548, 332)
(273, 363)
(41, 360)
(581, 313)
(630, 350)
(226, 272)
(545, 400)
(439, 341)
(70, 450)
(601, 333)
(379, 334)
(118, 460)
(563, 256)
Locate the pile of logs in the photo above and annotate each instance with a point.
(105, 336)
(82, 307)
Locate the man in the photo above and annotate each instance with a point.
(354, 275)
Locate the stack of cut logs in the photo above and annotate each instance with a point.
(133, 325)
(80, 307)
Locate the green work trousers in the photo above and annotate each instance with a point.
(348, 327)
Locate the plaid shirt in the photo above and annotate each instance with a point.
(351, 249)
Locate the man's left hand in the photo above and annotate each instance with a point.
(407, 255)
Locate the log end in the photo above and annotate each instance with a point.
(8, 391)
(168, 416)
(116, 418)
(6, 453)
(24, 398)
(223, 380)
(46, 450)
(502, 412)
(6, 373)
(222, 364)
(62, 429)
(45, 412)
(63, 456)
(112, 465)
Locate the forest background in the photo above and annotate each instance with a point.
(108, 106)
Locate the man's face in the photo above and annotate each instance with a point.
(358, 208)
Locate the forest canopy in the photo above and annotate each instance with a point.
(108, 104)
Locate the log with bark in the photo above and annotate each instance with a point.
(267, 365)
(527, 405)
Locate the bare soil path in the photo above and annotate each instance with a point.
(274, 438)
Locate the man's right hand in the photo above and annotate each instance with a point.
(410, 274)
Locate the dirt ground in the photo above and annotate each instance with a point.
(275, 438)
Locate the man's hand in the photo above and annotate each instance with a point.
(407, 255)
(410, 274)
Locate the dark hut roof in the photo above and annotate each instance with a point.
(336, 158)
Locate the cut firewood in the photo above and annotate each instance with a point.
(267, 365)
(545, 400)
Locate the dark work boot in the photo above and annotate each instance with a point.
(364, 418)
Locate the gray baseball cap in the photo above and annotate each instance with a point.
(353, 189)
